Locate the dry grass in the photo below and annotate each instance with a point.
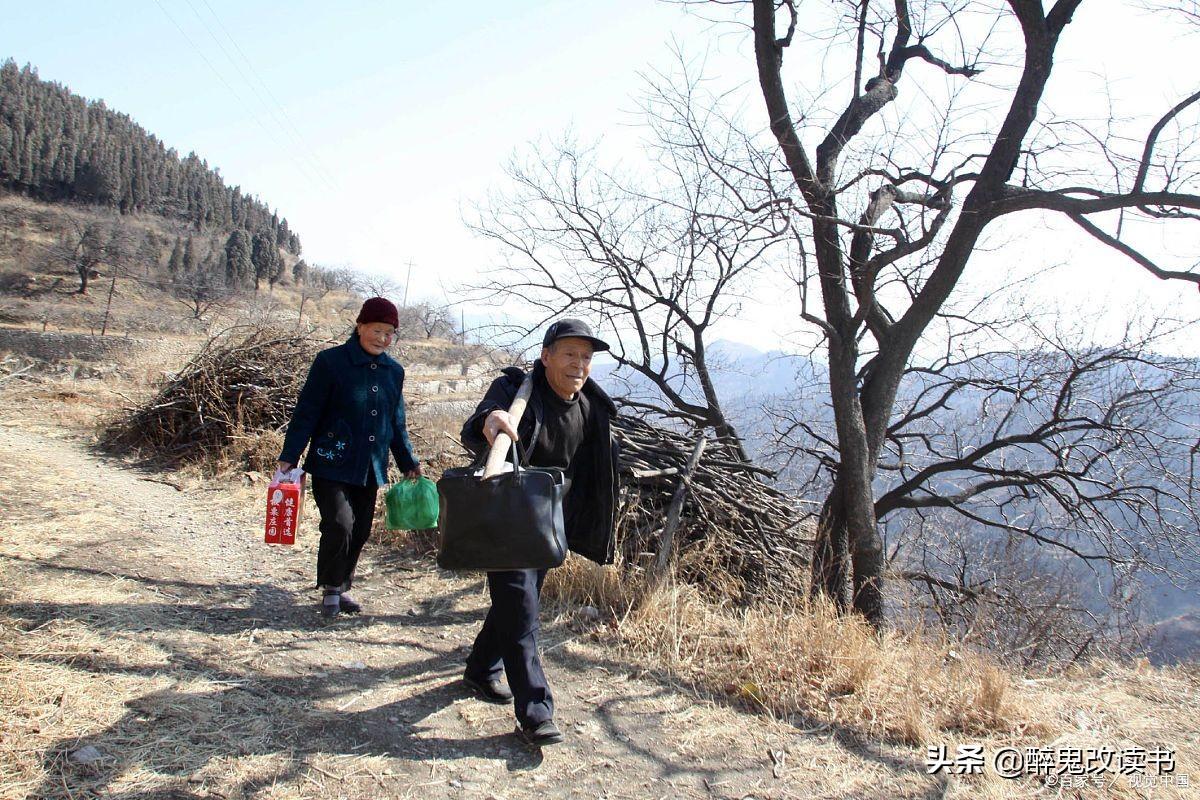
(62, 400)
(804, 664)
(254, 451)
(67, 683)
(36, 293)
(796, 663)
(802, 659)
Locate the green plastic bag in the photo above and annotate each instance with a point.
(412, 505)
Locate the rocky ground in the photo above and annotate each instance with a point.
(154, 647)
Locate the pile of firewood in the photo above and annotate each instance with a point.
(736, 534)
(732, 532)
(241, 383)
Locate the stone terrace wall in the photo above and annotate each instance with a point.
(56, 346)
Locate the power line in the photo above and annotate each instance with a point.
(313, 163)
(316, 171)
(228, 86)
(331, 178)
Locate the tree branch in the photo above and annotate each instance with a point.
(1139, 259)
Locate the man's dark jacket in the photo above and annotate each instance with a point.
(352, 409)
(590, 507)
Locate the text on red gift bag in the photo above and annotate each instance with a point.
(284, 504)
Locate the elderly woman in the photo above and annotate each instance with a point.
(349, 414)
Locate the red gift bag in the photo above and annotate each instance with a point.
(285, 501)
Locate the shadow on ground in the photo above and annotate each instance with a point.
(189, 735)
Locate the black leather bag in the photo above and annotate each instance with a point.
(513, 520)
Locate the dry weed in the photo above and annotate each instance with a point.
(248, 450)
(803, 659)
(584, 582)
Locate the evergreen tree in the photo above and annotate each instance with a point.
(264, 255)
(148, 253)
(55, 145)
(190, 258)
(175, 264)
(91, 254)
(94, 182)
(237, 258)
(202, 288)
(299, 272)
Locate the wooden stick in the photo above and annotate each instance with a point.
(503, 442)
(666, 544)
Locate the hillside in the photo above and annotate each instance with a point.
(152, 646)
(58, 146)
(40, 280)
(763, 391)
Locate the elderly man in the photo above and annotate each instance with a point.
(565, 425)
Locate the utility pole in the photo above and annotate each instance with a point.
(112, 288)
(407, 281)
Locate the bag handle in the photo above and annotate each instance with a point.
(518, 454)
(495, 456)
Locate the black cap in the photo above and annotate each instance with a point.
(572, 327)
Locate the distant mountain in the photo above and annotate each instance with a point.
(750, 381)
(56, 145)
(745, 378)
(1176, 639)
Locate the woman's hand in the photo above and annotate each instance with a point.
(283, 466)
(414, 473)
(497, 422)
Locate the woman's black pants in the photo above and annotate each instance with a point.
(346, 515)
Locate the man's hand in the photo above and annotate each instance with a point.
(497, 422)
(283, 466)
(414, 473)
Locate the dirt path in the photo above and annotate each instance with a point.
(155, 627)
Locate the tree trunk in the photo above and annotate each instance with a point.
(830, 564)
(851, 506)
(716, 417)
(83, 280)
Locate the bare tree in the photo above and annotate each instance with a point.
(333, 279)
(9, 219)
(84, 248)
(660, 261)
(430, 319)
(878, 228)
(891, 240)
(203, 289)
(1056, 460)
(375, 285)
(317, 283)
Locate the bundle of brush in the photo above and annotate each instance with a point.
(243, 383)
(738, 537)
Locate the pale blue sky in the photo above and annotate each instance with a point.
(392, 115)
(389, 114)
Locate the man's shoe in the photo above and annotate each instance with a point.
(489, 690)
(542, 734)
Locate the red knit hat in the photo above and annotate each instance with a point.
(379, 309)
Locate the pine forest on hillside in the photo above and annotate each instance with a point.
(56, 145)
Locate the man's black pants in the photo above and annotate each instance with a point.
(346, 515)
(508, 643)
